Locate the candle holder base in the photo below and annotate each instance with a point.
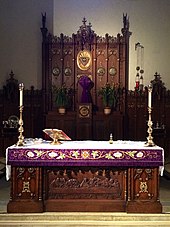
(150, 144)
(20, 143)
(111, 139)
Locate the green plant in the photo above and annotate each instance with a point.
(108, 94)
(62, 95)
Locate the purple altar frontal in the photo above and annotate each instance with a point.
(86, 153)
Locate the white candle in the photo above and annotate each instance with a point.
(150, 99)
(20, 99)
(21, 86)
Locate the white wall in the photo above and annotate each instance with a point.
(20, 36)
(149, 24)
(20, 39)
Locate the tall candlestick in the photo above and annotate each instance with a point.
(21, 129)
(150, 138)
(21, 87)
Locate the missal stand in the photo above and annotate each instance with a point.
(56, 135)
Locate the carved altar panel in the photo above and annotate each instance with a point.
(86, 183)
(143, 187)
(85, 189)
(26, 187)
(26, 183)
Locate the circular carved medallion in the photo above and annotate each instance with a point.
(67, 71)
(112, 71)
(101, 71)
(56, 71)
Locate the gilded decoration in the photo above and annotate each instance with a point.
(143, 187)
(143, 178)
(84, 111)
(25, 176)
(26, 186)
(84, 60)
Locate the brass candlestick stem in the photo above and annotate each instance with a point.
(20, 129)
(150, 142)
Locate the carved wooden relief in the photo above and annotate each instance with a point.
(143, 184)
(26, 183)
(86, 183)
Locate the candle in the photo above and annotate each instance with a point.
(21, 86)
(149, 100)
(150, 96)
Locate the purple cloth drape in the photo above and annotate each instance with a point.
(86, 84)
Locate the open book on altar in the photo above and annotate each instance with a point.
(56, 135)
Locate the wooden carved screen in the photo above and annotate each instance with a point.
(85, 55)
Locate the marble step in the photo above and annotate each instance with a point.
(83, 219)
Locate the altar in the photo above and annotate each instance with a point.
(84, 176)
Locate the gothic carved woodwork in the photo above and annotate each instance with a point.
(26, 187)
(9, 108)
(137, 111)
(27, 183)
(138, 114)
(66, 60)
(103, 59)
(11, 88)
(143, 186)
(86, 183)
(159, 92)
(84, 188)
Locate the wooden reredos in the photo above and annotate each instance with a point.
(102, 59)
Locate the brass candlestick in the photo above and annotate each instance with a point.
(20, 129)
(150, 142)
